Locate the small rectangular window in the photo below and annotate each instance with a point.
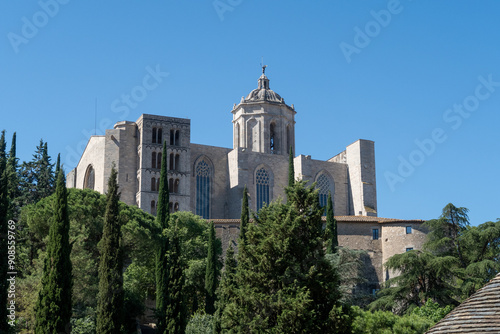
(409, 249)
(375, 234)
(408, 230)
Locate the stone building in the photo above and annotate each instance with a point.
(209, 180)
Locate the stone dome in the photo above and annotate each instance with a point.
(263, 92)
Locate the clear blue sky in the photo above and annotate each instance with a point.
(395, 72)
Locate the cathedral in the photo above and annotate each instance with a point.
(208, 180)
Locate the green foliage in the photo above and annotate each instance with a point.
(244, 221)
(162, 220)
(284, 283)
(349, 265)
(175, 315)
(200, 324)
(212, 274)
(86, 210)
(54, 307)
(331, 234)
(13, 181)
(457, 259)
(432, 311)
(227, 288)
(291, 170)
(422, 276)
(85, 325)
(384, 322)
(111, 297)
(36, 177)
(4, 207)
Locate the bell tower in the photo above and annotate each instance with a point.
(263, 122)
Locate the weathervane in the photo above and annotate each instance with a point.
(263, 66)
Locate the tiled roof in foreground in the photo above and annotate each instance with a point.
(340, 219)
(480, 313)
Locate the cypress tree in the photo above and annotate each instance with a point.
(227, 286)
(331, 234)
(162, 219)
(244, 221)
(211, 273)
(4, 204)
(291, 170)
(58, 165)
(45, 178)
(13, 180)
(110, 297)
(175, 315)
(53, 308)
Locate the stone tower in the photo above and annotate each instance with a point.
(262, 122)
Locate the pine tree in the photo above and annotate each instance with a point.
(211, 274)
(226, 289)
(162, 220)
(244, 221)
(110, 297)
(291, 170)
(175, 315)
(332, 241)
(53, 308)
(4, 205)
(284, 282)
(37, 176)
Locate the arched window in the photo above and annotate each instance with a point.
(171, 185)
(171, 207)
(176, 207)
(171, 161)
(153, 208)
(324, 186)
(153, 135)
(176, 167)
(153, 184)
(176, 186)
(89, 181)
(238, 144)
(262, 184)
(158, 161)
(202, 173)
(159, 136)
(177, 137)
(172, 135)
(272, 138)
(153, 160)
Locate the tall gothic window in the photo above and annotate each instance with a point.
(324, 186)
(158, 161)
(153, 139)
(262, 183)
(238, 144)
(153, 208)
(159, 141)
(153, 160)
(153, 184)
(202, 173)
(89, 181)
